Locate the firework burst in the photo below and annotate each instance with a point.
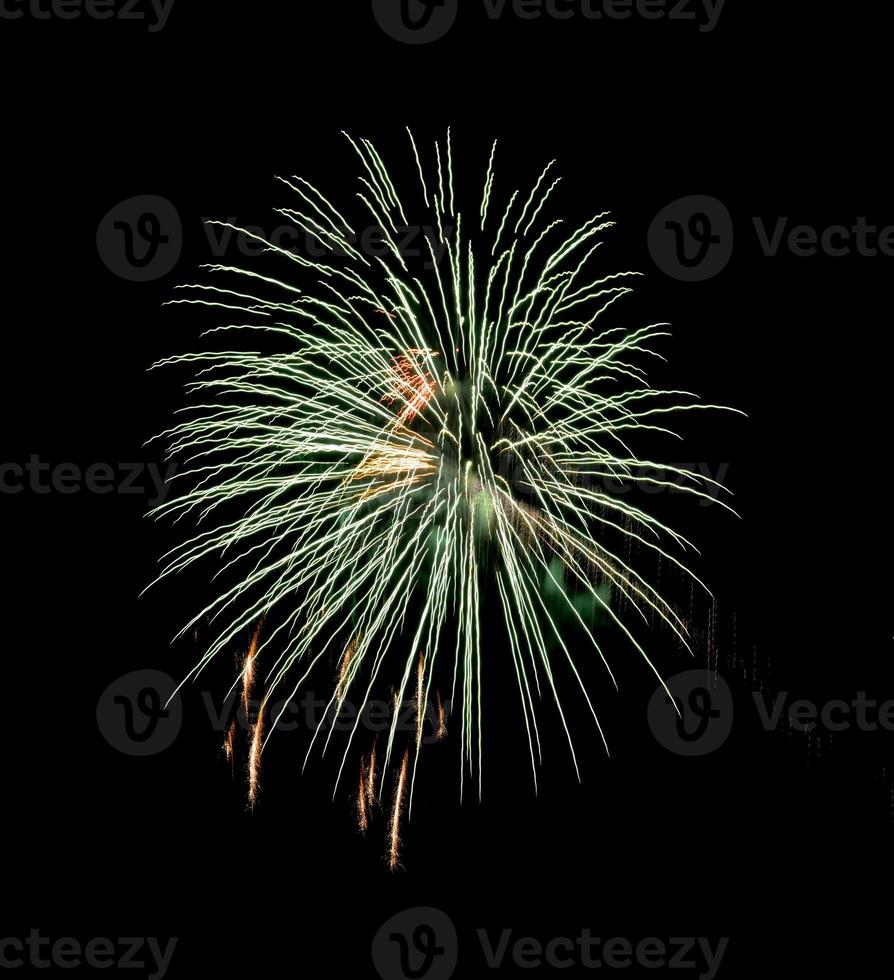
(419, 441)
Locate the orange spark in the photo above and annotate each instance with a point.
(442, 722)
(371, 777)
(391, 465)
(346, 659)
(401, 466)
(420, 698)
(362, 812)
(396, 811)
(411, 384)
(254, 758)
(248, 667)
(229, 742)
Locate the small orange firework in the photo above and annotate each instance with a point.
(254, 758)
(346, 659)
(230, 742)
(410, 384)
(420, 698)
(441, 733)
(393, 467)
(396, 811)
(248, 667)
(371, 777)
(362, 790)
(366, 789)
(402, 458)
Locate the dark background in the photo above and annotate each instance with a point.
(777, 112)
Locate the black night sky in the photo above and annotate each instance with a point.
(779, 839)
